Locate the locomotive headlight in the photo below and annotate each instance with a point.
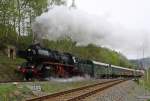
(29, 49)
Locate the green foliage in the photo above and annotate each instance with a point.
(17, 17)
(7, 38)
(89, 52)
(8, 67)
(145, 81)
(24, 42)
(7, 88)
(12, 92)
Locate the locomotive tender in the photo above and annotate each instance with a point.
(45, 63)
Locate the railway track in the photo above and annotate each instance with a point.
(21, 81)
(78, 94)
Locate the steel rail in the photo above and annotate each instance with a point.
(78, 98)
(55, 95)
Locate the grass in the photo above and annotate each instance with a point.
(5, 60)
(11, 92)
(52, 87)
(145, 81)
(22, 91)
(8, 67)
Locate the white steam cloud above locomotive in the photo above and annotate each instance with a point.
(60, 22)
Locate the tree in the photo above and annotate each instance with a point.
(17, 16)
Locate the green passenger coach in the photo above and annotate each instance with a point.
(86, 67)
(103, 70)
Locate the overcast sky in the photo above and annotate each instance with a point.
(131, 21)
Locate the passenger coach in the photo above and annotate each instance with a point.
(103, 70)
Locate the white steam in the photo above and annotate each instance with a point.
(61, 22)
(72, 79)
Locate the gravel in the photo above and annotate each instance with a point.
(127, 91)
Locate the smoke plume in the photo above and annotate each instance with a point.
(61, 22)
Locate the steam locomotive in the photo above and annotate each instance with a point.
(44, 63)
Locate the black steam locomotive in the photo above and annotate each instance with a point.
(45, 63)
(35, 53)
